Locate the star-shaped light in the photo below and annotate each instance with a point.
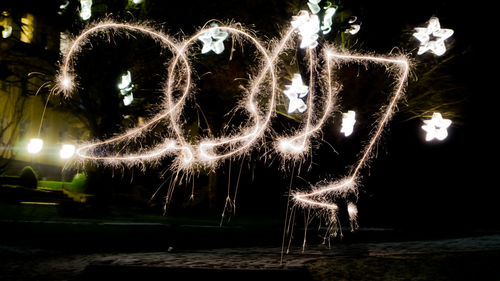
(348, 121)
(436, 127)
(308, 26)
(432, 37)
(294, 93)
(313, 6)
(213, 40)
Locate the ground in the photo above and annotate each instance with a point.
(473, 257)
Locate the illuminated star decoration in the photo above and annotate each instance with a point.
(313, 6)
(432, 37)
(436, 128)
(213, 40)
(308, 28)
(353, 28)
(126, 87)
(348, 120)
(294, 93)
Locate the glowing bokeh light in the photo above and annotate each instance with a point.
(308, 27)
(67, 151)
(314, 6)
(85, 9)
(213, 40)
(7, 31)
(35, 145)
(436, 127)
(295, 92)
(326, 26)
(432, 37)
(348, 121)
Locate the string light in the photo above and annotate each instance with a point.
(348, 121)
(213, 40)
(326, 26)
(436, 127)
(295, 92)
(314, 6)
(85, 9)
(308, 28)
(432, 37)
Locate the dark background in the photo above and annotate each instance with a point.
(412, 183)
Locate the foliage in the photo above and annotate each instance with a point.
(78, 184)
(29, 177)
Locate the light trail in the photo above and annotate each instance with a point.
(211, 151)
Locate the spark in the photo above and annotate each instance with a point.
(322, 196)
(432, 37)
(211, 151)
(436, 127)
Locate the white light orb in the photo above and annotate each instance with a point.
(35, 145)
(67, 151)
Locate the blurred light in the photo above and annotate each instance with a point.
(353, 29)
(432, 37)
(124, 85)
(308, 26)
(348, 121)
(137, 1)
(213, 40)
(86, 9)
(436, 128)
(7, 31)
(128, 99)
(326, 27)
(294, 93)
(67, 151)
(27, 28)
(313, 6)
(35, 145)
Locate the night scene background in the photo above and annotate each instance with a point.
(411, 189)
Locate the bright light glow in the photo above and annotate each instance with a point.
(125, 84)
(67, 151)
(436, 127)
(126, 87)
(348, 121)
(295, 92)
(7, 31)
(6, 24)
(128, 99)
(27, 28)
(353, 29)
(313, 6)
(35, 145)
(308, 26)
(432, 37)
(213, 40)
(137, 1)
(326, 26)
(85, 9)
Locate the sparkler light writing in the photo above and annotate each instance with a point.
(211, 151)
